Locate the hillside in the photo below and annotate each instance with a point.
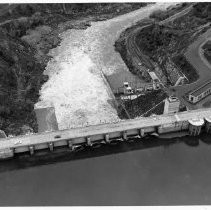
(165, 43)
(27, 33)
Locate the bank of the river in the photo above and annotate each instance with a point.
(147, 172)
(75, 86)
(28, 32)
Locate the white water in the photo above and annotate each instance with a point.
(75, 86)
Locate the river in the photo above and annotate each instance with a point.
(138, 173)
(155, 174)
(76, 86)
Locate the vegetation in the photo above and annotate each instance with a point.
(154, 37)
(27, 33)
(169, 41)
(202, 10)
(159, 15)
(120, 46)
(163, 43)
(207, 51)
(144, 103)
(20, 79)
(186, 67)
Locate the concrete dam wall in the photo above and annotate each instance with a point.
(191, 121)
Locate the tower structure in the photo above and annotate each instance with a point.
(171, 105)
(46, 118)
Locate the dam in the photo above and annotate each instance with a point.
(193, 122)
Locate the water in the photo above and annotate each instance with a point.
(126, 174)
(76, 87)
(177, 174)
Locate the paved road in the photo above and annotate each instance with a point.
(103, 128)
(192, 55)
(133, 49)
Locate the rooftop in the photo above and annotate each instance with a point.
(196, 122)
(208, 119)
(173, 99)
(153, 75)
(201, 89)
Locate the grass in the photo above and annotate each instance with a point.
(207, 51)
(187, 69)
(142, 104)
(207, 104)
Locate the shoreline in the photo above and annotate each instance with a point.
(88, 51)
(62, 154)
(41, 29)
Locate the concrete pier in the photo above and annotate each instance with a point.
(50, 145)
(208, 124)
(88, 141)
(124, 136)
(31, 150)
(192, 121)
(107, 138)
(195, 126)
(70, 144)
(141, 132)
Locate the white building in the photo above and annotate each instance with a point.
(200, 93)
(153, 76)
(171, 105)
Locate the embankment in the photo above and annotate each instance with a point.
(28, 32)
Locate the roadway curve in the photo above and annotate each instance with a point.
(193, 55)
(133, 49)
(135, 53)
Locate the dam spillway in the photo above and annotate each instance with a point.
(190, 121)
(76, 86)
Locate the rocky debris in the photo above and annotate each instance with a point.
(27, 33)
(172, 72)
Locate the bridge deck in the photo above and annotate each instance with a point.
(35, 139)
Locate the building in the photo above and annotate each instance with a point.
(46, 118)
(153, 76)
(172, 105)
(200, 93)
